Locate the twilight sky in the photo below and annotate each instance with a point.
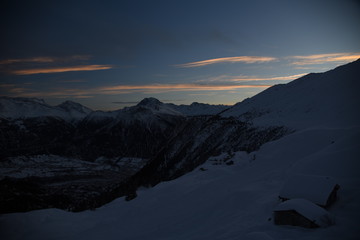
(111, 54)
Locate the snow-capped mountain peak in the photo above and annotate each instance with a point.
(150, 102)
(13, 108)
(154, 106)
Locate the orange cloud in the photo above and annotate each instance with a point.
(61, 69)
(324, 58)
(226, 78)
(45, 59)
(244, 59)
(7, 85)
(59, 93)
(35, 60)
(73, 81)
(17, 90)
(284, 78)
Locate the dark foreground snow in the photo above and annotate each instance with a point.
(223, 202)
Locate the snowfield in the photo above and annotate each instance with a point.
(219, 201)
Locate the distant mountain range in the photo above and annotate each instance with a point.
(154, 141)
(20, 108)
(30, 126)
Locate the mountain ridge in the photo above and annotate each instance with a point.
(321, 98)
(20, 107)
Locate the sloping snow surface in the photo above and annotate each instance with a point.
(222, 202)
(307, 101)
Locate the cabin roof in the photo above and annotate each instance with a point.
(309, 210)
(316, 189)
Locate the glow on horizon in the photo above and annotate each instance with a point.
(126, 89)
(180, 87)
(204, 86)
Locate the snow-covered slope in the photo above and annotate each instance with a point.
(318, 99)
(218, 201)
(14, 108)
(75, 110)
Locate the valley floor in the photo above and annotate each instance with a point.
(218, 201)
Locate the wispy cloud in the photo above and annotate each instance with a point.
(14, 89)
(243, 59)
(58, 93)
(61, 69)
(324, 58)
(283, 78)
(72, 81)
(45, 59)
(18, 90)
(203, 94)
(295, 60)
(7, 85)
(37, 65)
(227, 78)
(28, 60)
